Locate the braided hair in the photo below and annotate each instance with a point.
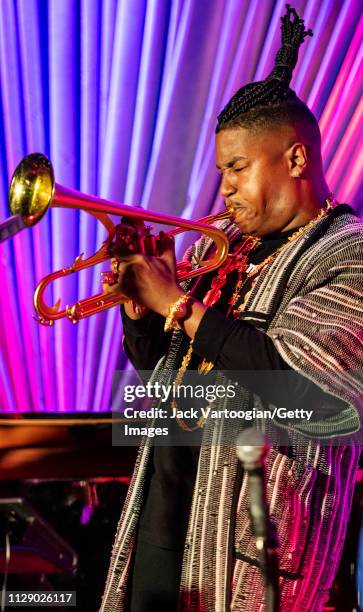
(271, 100)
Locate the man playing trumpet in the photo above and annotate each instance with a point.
(288, 298)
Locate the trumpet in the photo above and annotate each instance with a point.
(33, 190)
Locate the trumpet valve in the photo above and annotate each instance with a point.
(129, 240)
(125, 242)
(109, 278)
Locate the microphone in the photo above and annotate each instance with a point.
(252, 448)
(10, 227)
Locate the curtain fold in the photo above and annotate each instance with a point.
(123, 98)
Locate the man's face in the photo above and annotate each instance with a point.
(256, 180)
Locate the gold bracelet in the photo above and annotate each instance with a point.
(177, 311)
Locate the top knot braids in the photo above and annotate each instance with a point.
(275, 88)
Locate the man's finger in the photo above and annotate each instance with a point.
(167, 249)
(133, 221)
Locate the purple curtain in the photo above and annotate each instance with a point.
(123, 97)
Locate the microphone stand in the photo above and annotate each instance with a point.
(10, 227)
(251, 451)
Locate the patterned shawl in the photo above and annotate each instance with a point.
(309, 301)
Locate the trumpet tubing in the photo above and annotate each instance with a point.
(33, 190)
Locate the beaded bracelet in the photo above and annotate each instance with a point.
(177, 311)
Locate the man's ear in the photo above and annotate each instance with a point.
(297, 159)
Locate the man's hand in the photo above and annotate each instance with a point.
(151, 281)
(129, 306)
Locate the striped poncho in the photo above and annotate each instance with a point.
(309, 301)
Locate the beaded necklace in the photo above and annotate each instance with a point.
(256, 270)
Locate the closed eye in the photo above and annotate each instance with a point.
(232, 169)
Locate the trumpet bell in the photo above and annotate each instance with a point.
(32, 188)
